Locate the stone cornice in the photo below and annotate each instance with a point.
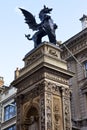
(45, 56)
(41, 75)
(78, 48)
(75, 44)
(76, 38)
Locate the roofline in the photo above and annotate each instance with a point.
(76, 36)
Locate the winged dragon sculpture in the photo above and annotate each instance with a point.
(46, 27)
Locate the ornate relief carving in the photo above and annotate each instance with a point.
(57, 117)
(66, 92)
(42, 112)
(48, 86)
(33, 57)
(66, 108)
(31, 80)
(53, 88)
(67, 114)
(56, 78)
(56, 89)
(53, 52)
(48, 108)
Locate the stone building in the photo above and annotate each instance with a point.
(75, 53)
(7, 107)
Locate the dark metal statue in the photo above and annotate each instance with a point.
(46, 27)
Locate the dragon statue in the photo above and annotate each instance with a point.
(46, 27)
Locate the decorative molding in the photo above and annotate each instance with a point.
(53, 52)
(52, 88)
(66, 108)
(42, 112)
(74, 50)
(33, 57)
(57, 78)
(48, 102)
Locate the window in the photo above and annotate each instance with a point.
(13, 127)
(9, 111)
(85, 65)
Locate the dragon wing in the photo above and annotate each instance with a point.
(29, 19)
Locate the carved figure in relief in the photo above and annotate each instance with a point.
(57, 117)
(56, 127)
(33, 124)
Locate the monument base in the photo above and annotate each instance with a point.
(43, 94)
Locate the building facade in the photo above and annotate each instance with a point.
(75, 53)
(7, 108)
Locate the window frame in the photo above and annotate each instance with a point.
(13, 127)
(9, 111)
(85, 68)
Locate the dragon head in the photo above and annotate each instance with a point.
(44, 12)
(47, 10)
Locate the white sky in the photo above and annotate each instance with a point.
(13, 44)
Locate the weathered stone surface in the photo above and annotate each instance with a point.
(43, 90)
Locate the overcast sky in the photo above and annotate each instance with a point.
(13, 44)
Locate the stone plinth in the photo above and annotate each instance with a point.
(43, 91)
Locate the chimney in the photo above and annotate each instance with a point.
(83, 20)
(1, 81)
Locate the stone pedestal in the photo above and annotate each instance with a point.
(43, 92)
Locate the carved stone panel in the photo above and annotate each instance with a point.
(42, 112)
(67, 114)
(66, 108)
(52, 87)
(57, 113)
(48, 108)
